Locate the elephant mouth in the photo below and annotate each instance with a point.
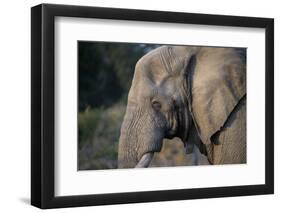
(145, 160)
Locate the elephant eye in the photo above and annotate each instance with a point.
(156, 105)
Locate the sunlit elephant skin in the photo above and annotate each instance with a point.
(195, 93)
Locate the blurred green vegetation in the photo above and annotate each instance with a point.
(98, 137)
(106, 71)
(87, 122)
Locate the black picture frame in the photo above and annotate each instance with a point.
(43, 102)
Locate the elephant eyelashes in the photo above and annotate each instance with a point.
(156, 105)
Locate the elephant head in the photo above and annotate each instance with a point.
(176, 89)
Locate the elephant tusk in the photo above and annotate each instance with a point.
(145, 160)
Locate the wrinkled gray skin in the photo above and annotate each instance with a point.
(195, 93)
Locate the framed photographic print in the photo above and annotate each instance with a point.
(139, 106)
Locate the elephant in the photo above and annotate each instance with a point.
(197, 94)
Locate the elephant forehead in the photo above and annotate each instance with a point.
(157, 69)
(151, 69)
(157, 73)
(146, 90)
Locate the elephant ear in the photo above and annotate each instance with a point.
(217, 82)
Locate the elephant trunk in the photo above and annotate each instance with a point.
(139, 139)
(127, 156)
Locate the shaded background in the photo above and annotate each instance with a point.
(105, 74)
